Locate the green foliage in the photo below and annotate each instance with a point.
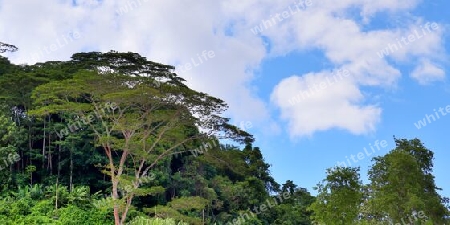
(157, 221)
(168, 213)
(73, 215)
(188, 203)
(402, 183)
(146, 124)
(339, 197)
(30, 205)
(293, 210)
(100, 124)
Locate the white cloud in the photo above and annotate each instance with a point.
(324, 101)
(174, 32)
(428, 72)
(170, 32)
(346, 44)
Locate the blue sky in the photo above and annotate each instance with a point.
(267, 53)
(304, 159)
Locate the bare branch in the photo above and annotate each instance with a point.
(7, 48)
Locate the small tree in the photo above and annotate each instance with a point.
(339, 197)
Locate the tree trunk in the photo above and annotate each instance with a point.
(22, 158)
(50, 157)
(30, 144)
(59, 160)
(115, 196)
(127, 207)
(71, 168)
(115, 183)
(43, 148)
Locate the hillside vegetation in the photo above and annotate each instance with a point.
(113, 138)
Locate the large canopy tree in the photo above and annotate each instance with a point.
(140, 112)
(403, 184)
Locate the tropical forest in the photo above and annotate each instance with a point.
(115, 138)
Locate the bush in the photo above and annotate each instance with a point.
(140, 220)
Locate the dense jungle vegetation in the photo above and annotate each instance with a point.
(113, 138)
